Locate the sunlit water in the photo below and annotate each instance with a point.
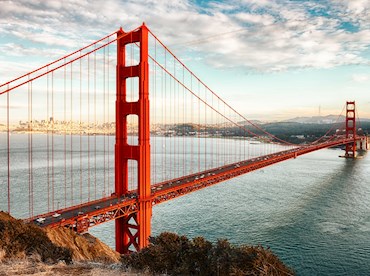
(313, 211)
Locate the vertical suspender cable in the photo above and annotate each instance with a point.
(31, 151)
(165, 116)
(65, 132)
(29, 148)
(109, 156)
(80, 128)
(199, 127)
(224, 140)
(104, 125)
(179, 140)
(244, 133)
(52, 140)
(162, 121)
(47, 137)
(192, 121)
(173, 122)
(154, 112)
(213, 150)
(95, 122)
(232, 143)
(8, 144)
(210, 130)
(88, 128)
(176, 108)
(205, 130)
(248, 145)
(70, 134)
(218, 134)
(184, 121)
(171, 168)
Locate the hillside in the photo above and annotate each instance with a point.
(18, 240)
(26, 249)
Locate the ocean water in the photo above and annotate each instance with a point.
(313, 211)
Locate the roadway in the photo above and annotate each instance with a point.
(83, 216)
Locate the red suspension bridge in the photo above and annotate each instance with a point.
(76, 154)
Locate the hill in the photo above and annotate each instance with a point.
(329, 119)
(19, 240)
(27, 249)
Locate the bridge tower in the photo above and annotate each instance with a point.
(351, 129)
(133, 231)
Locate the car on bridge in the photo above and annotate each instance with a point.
(40, 220)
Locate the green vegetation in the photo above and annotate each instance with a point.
(171, 254)
(288, 131)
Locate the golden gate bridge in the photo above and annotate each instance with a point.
(172, 133)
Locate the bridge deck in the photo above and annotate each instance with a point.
(86, 215)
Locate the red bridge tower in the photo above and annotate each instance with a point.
(351, 129)
(133, 230)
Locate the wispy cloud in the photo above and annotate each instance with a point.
(361, 77)
(255, 35)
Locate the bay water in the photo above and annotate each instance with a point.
(313, 211)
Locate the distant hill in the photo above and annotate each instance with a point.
(329, 119)
(256, 122)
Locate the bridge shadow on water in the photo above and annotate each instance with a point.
(321, 234)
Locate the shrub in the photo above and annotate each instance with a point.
(171, 254)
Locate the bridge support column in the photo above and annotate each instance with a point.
(351, 129)
(133, 231)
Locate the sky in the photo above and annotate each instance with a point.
(270, 60)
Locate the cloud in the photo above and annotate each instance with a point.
(260, 19)
(361, 77)
(19, 50)
(263, 36)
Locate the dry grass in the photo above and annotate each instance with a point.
(31, 266)
(2, 255)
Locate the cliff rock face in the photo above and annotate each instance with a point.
(83, 247)
(19, 240)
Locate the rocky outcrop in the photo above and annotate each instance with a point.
(84, 247)
(19, 240)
